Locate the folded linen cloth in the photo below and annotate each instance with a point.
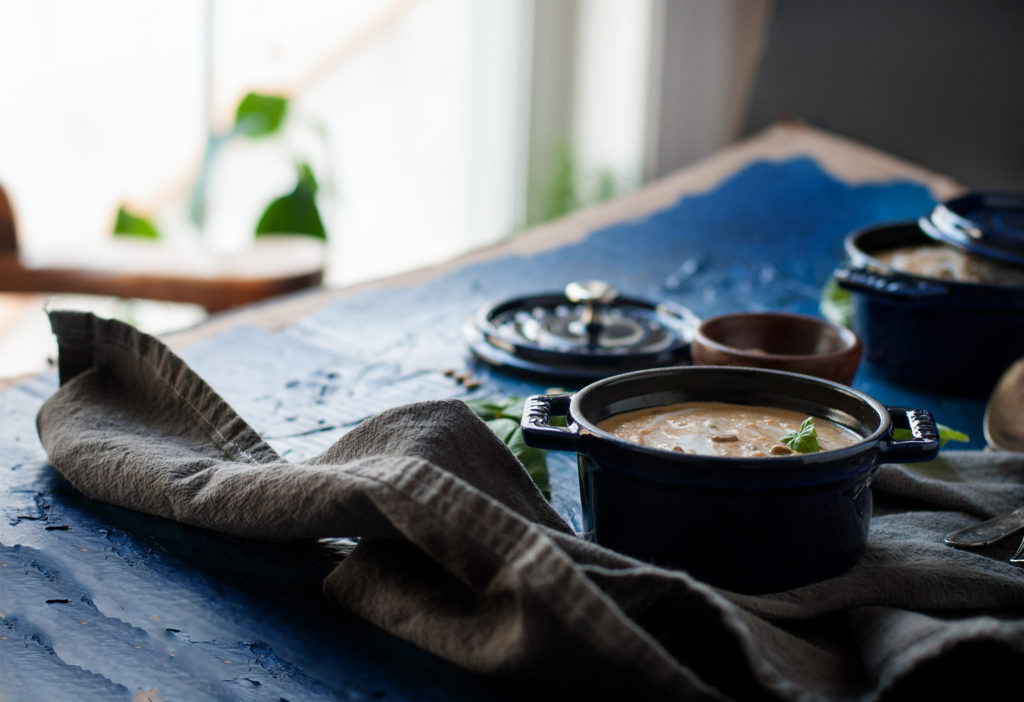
(460, 554)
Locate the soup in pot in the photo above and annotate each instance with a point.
(722, 429)
(948, 263)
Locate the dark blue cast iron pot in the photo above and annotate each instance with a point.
(745, 524)
(945, 336)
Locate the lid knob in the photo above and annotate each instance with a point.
(593, 294)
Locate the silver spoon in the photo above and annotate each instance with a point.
(1004, 414)
(989, 531)
(1004, 430)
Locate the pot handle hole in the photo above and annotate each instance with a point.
(876, 284)
(536, 423)
(923, 444)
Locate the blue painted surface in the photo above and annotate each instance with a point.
(101, 603)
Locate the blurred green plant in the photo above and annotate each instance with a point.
(132, 225)
(258, 116)
(566, 188)
(261, 116)
(296, 212)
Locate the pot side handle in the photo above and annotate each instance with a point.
(890, 288)
(924, 444)
(536, 426)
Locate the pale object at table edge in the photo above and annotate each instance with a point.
(1004, 414)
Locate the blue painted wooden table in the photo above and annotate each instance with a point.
(99, 603)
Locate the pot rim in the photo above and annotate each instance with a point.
(854, 251)
(763, 468)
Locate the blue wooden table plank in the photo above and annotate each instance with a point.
(97, 602)
(104, 602)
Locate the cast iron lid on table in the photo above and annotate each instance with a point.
(989, 224)
(588, 331)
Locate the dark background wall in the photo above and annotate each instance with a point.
(939, 82)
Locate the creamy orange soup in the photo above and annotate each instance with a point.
(721, 429)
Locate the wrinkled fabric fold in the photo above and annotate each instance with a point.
(460, 554)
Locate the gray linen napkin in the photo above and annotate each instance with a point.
(461, 555)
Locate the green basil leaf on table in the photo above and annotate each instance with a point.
(503, 415)
(945, 434)
(495, 408)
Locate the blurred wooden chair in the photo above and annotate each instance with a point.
(141, 269)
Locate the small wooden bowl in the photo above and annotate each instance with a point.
(779, 341)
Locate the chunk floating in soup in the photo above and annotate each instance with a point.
(721, 429)
(948, 263)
